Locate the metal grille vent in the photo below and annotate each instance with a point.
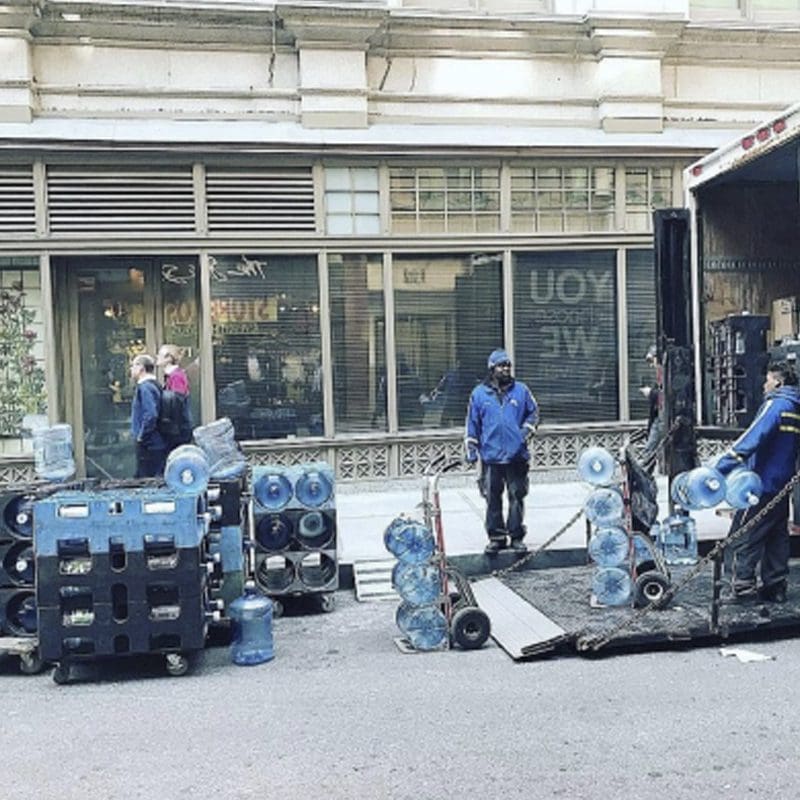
(17, 206)
(103, 200)
(266, 200)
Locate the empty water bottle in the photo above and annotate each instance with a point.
(187, 470)
(19, 516)
(315, 486)
(604, 506)
(409, 541)
(218, 442)
(609, 546)
(273, 490)
(743, 488)
(426, 627)
(702, 487)
(418, 584)
(314, 529)
(611, 586)
(251, 622)
(678, 539)
(52, 452)
(596, 466)
(19, 564)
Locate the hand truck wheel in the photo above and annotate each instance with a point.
(31, 663)
(177, 664)
(470, 627)
(650, 587)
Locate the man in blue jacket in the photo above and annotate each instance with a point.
(502, 414)
(151, 449)
(769, 447)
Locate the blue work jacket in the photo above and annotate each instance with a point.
(499, 422)
(144, 415)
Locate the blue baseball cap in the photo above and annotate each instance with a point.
(498, 357)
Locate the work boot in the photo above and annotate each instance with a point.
(494, 546)
(775, 593)
(518, 546)
(744, 593)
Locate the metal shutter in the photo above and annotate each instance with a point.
(264, 200)
(17, 206)
(641, 295)
(106, 200)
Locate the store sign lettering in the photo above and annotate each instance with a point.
(254, 309)
(570, 287)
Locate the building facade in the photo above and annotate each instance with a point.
(339, 209)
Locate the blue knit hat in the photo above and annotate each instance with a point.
(497, 357)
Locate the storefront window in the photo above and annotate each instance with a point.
(640, 290)
(22, 388)
(267, 349)
(358, 342)
(565, 333)
(448, 318)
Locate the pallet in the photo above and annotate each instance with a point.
(373, 580)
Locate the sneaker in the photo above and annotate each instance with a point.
(518, 546)
(773, 594)
(744, 594)
(494, 547)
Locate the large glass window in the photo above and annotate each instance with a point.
(22, 389)
(448, 318)
(352, 204)
(267, 351)
(358, 342)
(565, 333)
(640, 290)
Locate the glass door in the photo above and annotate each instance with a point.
(120, 307)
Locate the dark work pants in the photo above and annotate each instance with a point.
(768, 543)
(495, 478)
(149, 463)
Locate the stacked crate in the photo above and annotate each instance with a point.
(17, 568)
(225, 538)
(293, 530)
(121, 571)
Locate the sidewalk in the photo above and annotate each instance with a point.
(365, 511)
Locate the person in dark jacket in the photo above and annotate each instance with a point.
(769, 447)
(151, 449)
(501, 415)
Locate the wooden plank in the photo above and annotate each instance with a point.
(373, 580)
(517, 626)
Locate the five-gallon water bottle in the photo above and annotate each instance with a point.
(702, 487)
(19, 516)
(315, 486)
(417, 584)
(426, 627)
(251, 621)
(743, 488)
(609, 546)
(314, 529)
(218, 442)
(52, 452)
(187, 470)
(678, 539)
(273, 490)
(611, 586)
(604, 506)
(409, 540)
(596, 466)
(274, 531)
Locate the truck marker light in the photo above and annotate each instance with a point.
(779, 126)
(748, 142)
(763, 134)
(697, 169)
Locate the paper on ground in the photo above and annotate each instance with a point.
(745, 656)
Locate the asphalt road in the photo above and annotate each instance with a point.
(342, 713)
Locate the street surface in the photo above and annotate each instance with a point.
(341, 713)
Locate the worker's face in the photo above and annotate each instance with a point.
(136, 371)
(772, 382)
(502, 372)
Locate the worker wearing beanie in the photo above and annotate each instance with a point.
(502, 414)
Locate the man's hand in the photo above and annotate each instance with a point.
(472, 455)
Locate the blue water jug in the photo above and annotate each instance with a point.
(187, 470)
(314, 487)
(19, 563)
(743, 488)
(609, 546)
(273, 491)
(678, 539)
(273, 531)
(251, 622)
(426, 627)
(19, 516)
(604, 506)
(596, 466)
(218, 442)
(641, 549)
(314, 529)
(611, 586)
(702, 487)
(52, 452)
(409, 540)
(417, 584)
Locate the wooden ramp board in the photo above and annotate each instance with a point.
(373, 580)
(517, 626)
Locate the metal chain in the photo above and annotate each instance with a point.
(600, 641)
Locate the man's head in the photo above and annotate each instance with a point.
(168, 354)
(779, 373)
(141, 365)
(499, 365)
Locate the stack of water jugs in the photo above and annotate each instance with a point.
(53, 462)
(294, 531)
(610, 544)
(417, 578)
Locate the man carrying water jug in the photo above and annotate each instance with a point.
(769, 447)
(151, 449)
(501, 415)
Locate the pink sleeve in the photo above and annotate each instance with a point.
(178, 382)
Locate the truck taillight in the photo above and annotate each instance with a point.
(697, 169)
